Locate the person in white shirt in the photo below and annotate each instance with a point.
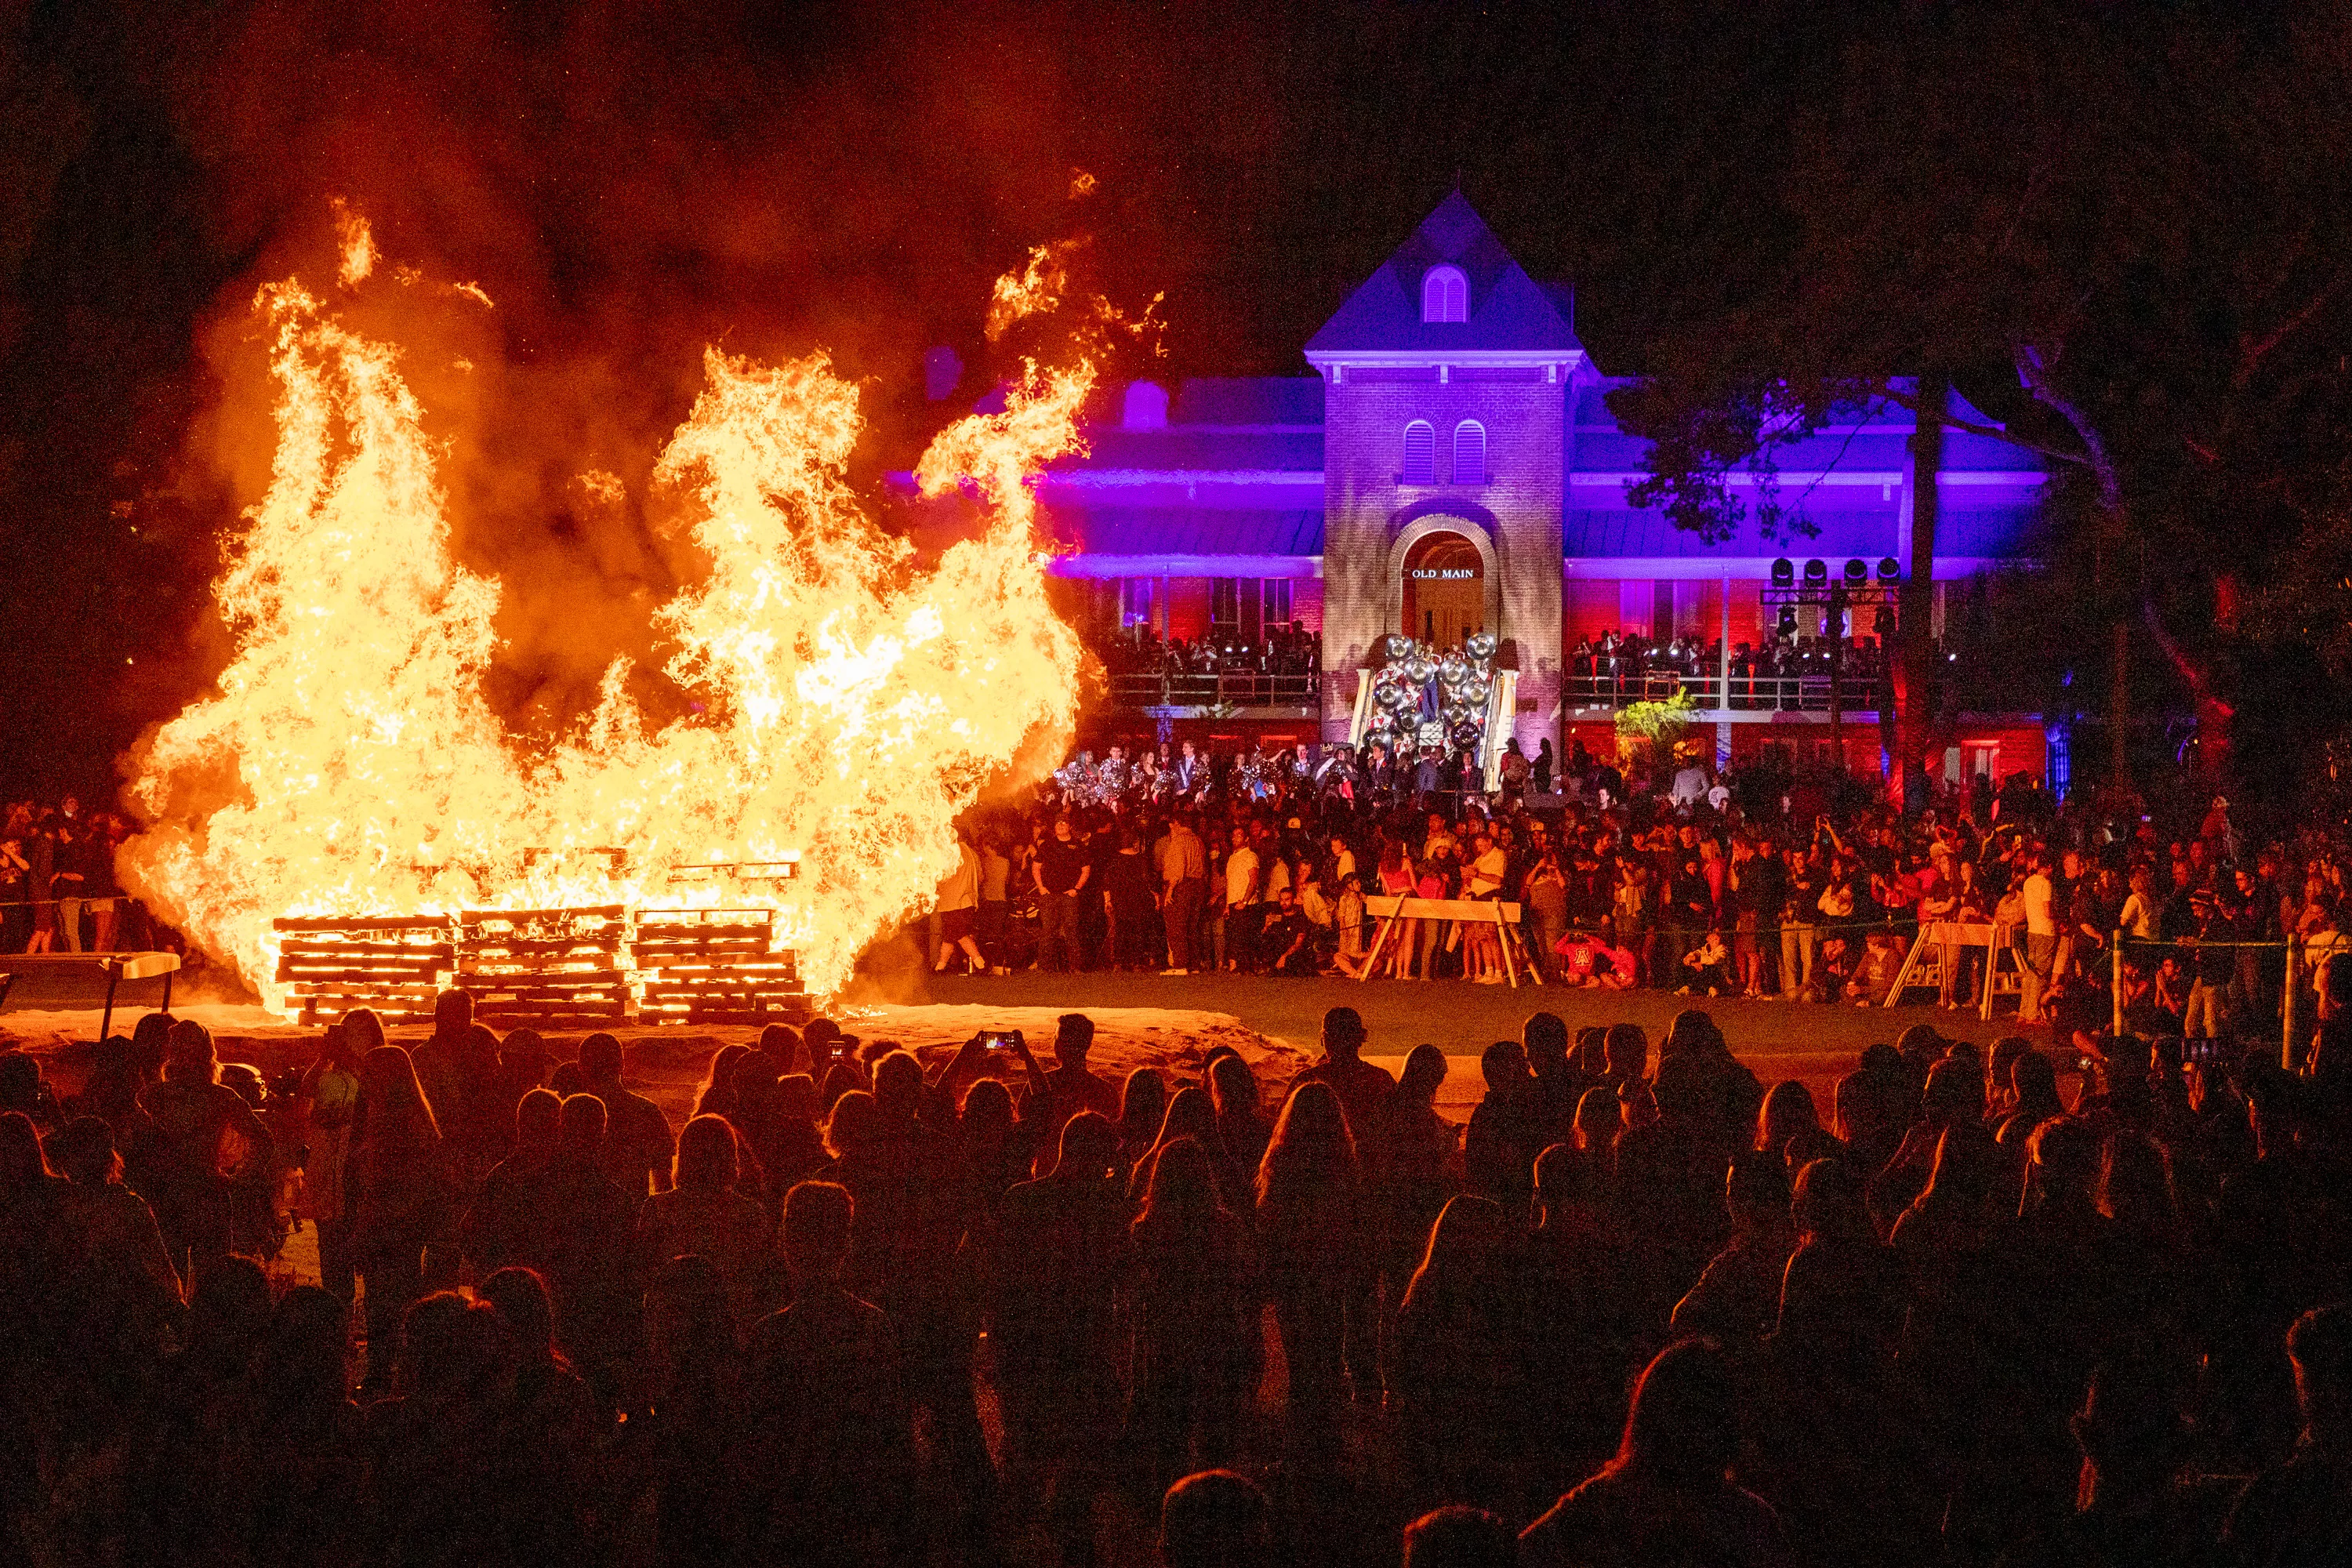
(2040, 937)
(1237, 946)
(1481, 953)
(959, 911)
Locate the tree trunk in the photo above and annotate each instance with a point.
(1915, 627)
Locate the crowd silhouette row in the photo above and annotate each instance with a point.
(1639, 1312)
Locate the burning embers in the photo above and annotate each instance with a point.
(848, 704)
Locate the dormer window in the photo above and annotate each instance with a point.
(1469, 453)
(1420, 453)
(1444, 295)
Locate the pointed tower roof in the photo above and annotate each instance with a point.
(1509, 314)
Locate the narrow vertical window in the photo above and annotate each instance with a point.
(1420, 453)
(1444, 295)
(1469, 453)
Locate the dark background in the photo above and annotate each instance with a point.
(629, 182)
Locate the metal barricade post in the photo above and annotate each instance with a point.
(2286, 1008)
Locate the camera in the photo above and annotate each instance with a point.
(999, 1039)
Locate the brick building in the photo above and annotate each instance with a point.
(1452, 466)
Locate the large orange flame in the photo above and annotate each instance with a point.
(851, 704)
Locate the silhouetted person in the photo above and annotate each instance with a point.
(1668, 1496)
(1195, 1322)
(505, 1210)
(1736, 1299)
(1363, 1088)
(1458, 1536)
(577, 1232)
(1499, 1149)
(1214, 1519)
(1315, 1240)
(1059, 1256)
(705, 1215)
(1459, 1363)
(828, 1447)
(397, 1187)
(638, 1147)
(2296, 1513)
(208, 1142)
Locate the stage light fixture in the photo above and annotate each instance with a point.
(1857, 573)
(1890, 571)
(1817, 571)
(1784, 573)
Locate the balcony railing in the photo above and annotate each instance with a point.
(1228, 688)
(1756, 693)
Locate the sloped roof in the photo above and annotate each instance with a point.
(1249, 400)
(1507, 309)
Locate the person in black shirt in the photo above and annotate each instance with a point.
(1285, 941)
(1062, 872)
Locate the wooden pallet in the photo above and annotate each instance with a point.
(555, 964)
(391, 964)
(715, 966)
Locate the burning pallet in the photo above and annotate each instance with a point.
(552, 965)
(715, 966)
(337, 964)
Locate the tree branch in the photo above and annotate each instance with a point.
(2035, 377)
(2251, 351)
(1969, 427)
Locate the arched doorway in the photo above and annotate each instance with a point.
(1445, 594)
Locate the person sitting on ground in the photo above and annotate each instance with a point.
(1287, 941)
(1707, 968)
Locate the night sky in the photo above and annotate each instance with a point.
(629, 182)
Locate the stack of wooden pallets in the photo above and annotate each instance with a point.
(544, 964)
(393, 965)
(714, 966)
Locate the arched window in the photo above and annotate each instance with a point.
(1420, 453)
(1469, 453)
(1444, 295)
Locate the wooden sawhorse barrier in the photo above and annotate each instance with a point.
(1504, 917)
(1943, 935)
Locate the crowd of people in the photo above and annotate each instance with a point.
(1786, 656)
(1639, 1312)
(58, 888)
(1760, 881)
(1284, 648)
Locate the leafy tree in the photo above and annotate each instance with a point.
(2122, 230)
